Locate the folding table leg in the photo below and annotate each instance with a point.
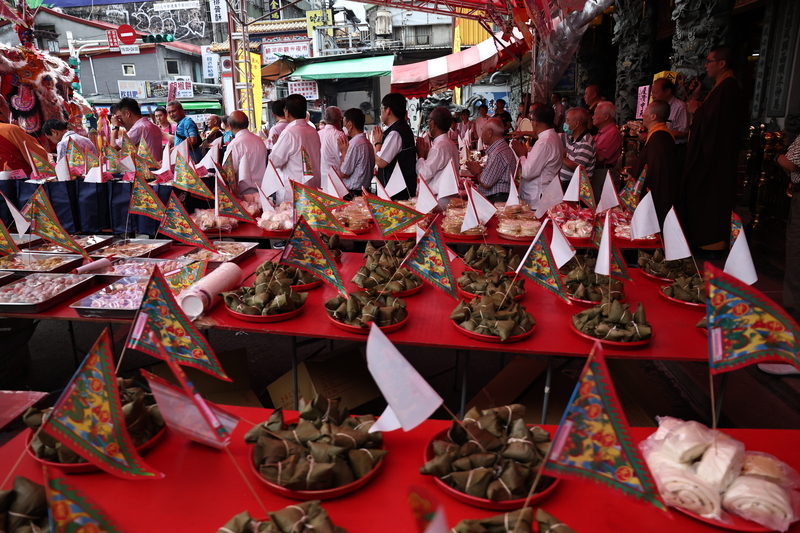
(294, 373)
(464, 374)
(111, 336)
(71, 331)
(721, 396)
(547, 378)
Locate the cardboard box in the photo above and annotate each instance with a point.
(342, 373)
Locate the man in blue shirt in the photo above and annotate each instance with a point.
(186, 129)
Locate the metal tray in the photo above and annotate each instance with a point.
(69, 262)
(106, 276)
(94, 242)
(38, 307)
(6, 278)
(161, 246)
(249, 249)
(27, 240)
(85, 307)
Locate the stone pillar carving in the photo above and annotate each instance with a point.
(699, 26)
(634, 32)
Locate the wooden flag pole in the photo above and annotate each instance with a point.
(713, 401)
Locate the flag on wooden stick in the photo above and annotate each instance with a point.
(179, 225)
(71, 511)
(305, 250)
(45, 224)
(429, 259)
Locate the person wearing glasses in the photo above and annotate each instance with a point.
(395, 145)
(708, 185)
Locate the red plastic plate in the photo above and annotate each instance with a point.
(265, 319)
(653, 277)
(307, 286)
(408, 292)
(277, 234)
(481, 503)
(739, 523)
(81, 468)
(640, 243)
(459, 237)
(518, 238)
(306, 495)
(493, 338)
(365, 331)
(680, 302)
(361, 231)
(468, 296)
(590, 303)
(611, 344)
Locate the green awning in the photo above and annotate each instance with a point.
(363, 67)
(192, 106)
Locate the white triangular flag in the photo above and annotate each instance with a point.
(675, 245)
(470, 215)
(438, 523)
(552, 196)
(419, 234)
(644, 221)
(608, 198)
(484, 209)
(426, 201)
(560, 246)
(212, 156)
(333, 184)
(126, 163)
(34, 172)
(245, 173)
(448, 181)
(573, 190)
(382, 194)
(266, 204)
(165, 161)
(603, 265)
(95, 175)
(462, 153)
(740, 262)
(183, 148)
(20, 221)
(386, 422)
(396, 183)
(62, 170)
(411, 398)
(480, 145)
(271, 181)
(513, 194)
(530, 248)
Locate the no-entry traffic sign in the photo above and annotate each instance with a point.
(127, 34)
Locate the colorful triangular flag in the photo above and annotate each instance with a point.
(632, 191)
(127, 148)
(746, 327)
(597, 229)
(675, 245)
(229, 174)
(44, 223)
(736, 227)
(76, 158)
(179, 225)
(183, 342)
(88, 417)
(539, 265)
(740, 263)
(186, 178)
(143, 151)
(585, 192)
(429, 259)
(71, 511)
(618, 267)
(7, 244)
(183, 278)
(141, 168)
(41, 168)
(308, 168)
(227, 204)
(305, 250)
(112, 159)
(91, 160)
(144, 200)
(593, 440)
(391, 217)
(313, 207)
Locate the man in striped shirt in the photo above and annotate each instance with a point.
(579, 147)
(358, 157)
(494, 180)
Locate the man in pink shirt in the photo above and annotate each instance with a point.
(608, 145)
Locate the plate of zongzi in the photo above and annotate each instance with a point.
(474, 283)
(491, 258)
(493, 319)
(656, 267)
(586, 287)
(686, 291)
(612, 324)
(355, 313)
(273, 302)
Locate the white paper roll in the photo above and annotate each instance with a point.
(204, 294)
(94, 265)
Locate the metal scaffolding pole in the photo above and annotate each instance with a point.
(242, 71)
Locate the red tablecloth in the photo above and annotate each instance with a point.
(202, 489)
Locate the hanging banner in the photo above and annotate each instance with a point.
(309, 89)
(219, 11)
(210, 63)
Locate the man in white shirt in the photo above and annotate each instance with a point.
(434, 157)
(287, 153)
(466, 128)
(246, 147)
(542, 163)
(329, 137)
(279, 112)
(480, 120)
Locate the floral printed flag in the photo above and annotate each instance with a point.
(632, 191)
(736, 227)
(585, 191)
(746, 327)
(539, 265)
(391, 217)
(144, 152)
(330, 202)
(229, 174)
(91, 160)
(112, 159)
(127, 148)
(88, 417)
(186, 178)
(144, 200)
(228, 205)
(76, 159)
(429, 259)
(593, 440)
(161, 314)
(7, 245)
(44, 223)
(41, 168)
(178, 224)
(308, 168)
(179, 280)
(306, 251)
(309, 204)
(71, 511)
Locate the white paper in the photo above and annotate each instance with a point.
(165, 161)
(411, 398)
(448, 181)
(126, 163)
(530, 248)
(573, 190)
(483, 207)
(382, 194)
(645, 219)
(513, 194)
(675, 245)
(396, 183)
(183, 148)
(62, 170)
(608, 198)
(439, 522)
(603, 265)
(271, 182)
(266, 205)
(93, 176)
(19, 220)
(333, 184)
(560, 247)
(34, 172)
(552, 196)
(386, 422)
(426, 201)
(740, 262)
(212, 156)
(420, 233)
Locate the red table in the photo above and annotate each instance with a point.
(202, 489)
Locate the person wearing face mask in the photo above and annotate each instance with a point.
(434, 157)
(542, 163)
(579, 147)
(329, 138)
(357, 156)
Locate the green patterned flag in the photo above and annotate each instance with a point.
(229, 174)
(391, 217)
(585, 191)
(41, 168)
(141, 168)
(71, 511)
(328, 201)
(186, 178)
(182, 341)
(632, 191)
(88, 417)
(179, 225)
(144, 200)
(44, 223)
(540, 266)
(736, 227)
(144, 152)
(112, 159)
(127, 148)
(312, 207)
(308, 168)
(593, 440)
(76, 159)
(91, 160)
(179, 280)
(306, 251)
(597, 229)
(228, 205)
(746, 327)
(430, 261)
(7, 244)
